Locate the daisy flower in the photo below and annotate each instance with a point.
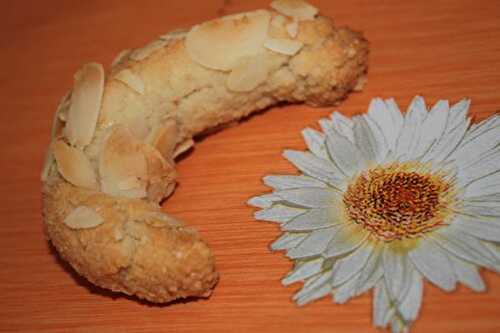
(386, 200)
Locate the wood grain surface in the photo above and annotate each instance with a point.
(440, 49)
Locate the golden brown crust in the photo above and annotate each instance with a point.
(154, 101)
(138, 250)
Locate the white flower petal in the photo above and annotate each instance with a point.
(314, 244)
(344, 153)
(286, 182)
(278, 213)
(371, 149)
(432, 128)
(433, 263)
(494, 197)
(347, 238)
(464, 246)
(458, 114)
(456, 127)
(410, 304)
(483, 229)
(346, 267)
(315, 142)
(475, 145)
(345, 292)
(303, 271)
(481, 209)
(397, 121)
(483, 167)
(494, 249)
(314, 288)
(482, 127)
(263, 201)
(342, 125)
(482, 187)
(467, 274)
(379, 138)
(379, 114)
(326, 125)
(309, 197)
(382, 311)
(397, 272)
(371, 273)
(287, 241)
(398, 325)
(314, 295)
(315, 167)
(447, 144)
(415, 115)
(312, 220)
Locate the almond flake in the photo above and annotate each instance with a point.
(183, 147)
(74, 165)
(146, 51)
(121, 57)
(220, 43)
(83, 217)
(278, 21)
(299, 9)
(138, 126)
(160, 220)
(131, 79)
(293, 28)
(85, 104)
(62, 110)
(283, 46)
(175, 34)
(57, 125)
(161, 174)
(248, 74)
(47, 165)
(121, 163)
(165, 138)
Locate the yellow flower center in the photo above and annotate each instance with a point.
(398, 201)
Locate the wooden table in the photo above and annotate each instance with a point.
(440, 49)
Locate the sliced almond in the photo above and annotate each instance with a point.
(57, 126)
(293, 28)
(131, 79)
(161, 174)
(121, 163)
(165, 138)
(47, 165)
(74, 165)
(160, 220)
(183, 147)
(175, 34)
(139, 127)
(284, 46)
(121, 57)
(146, 51)
(298, 9)
(62, 112)
(220, 43)
(248, 74)
(278, 21)
(85, 105)
(83, 217)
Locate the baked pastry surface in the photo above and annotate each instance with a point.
(116, 135)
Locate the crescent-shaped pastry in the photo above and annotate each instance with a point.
(116, 135)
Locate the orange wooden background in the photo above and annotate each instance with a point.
(441, 49)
